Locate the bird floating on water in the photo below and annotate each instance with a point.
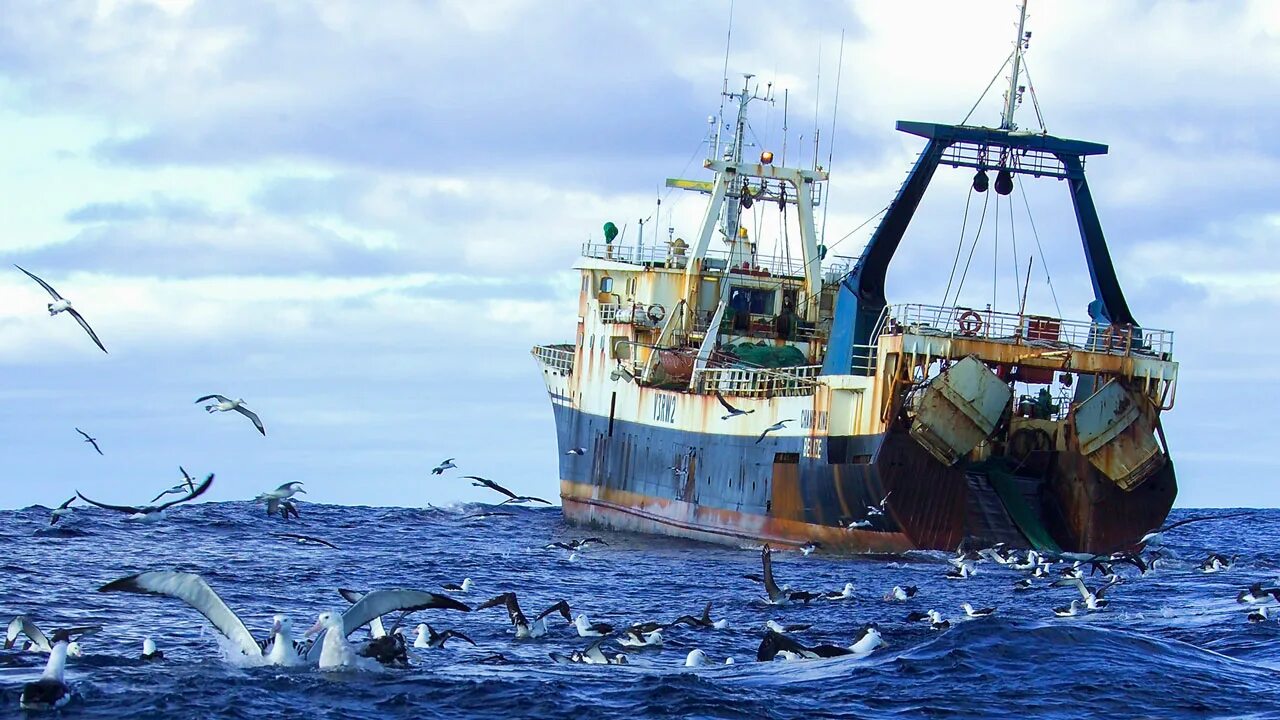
(465, 586)
(427, 637)
(149, 651)
(226, 404)
(51, 690)
(586, 628)
(306, 539)
(61, 304)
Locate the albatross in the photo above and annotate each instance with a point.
(51, 690)
(151, 513)
(733, 411)
(187, 485)
(511, 497)
(63, 509)
(273, 498)
(61, 304)
(429, 638)
(446, 465)
(91, 440)
(226, 404)
(526, 630)
(781, 424)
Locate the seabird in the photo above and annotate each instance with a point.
(446, 465)
(868, 640)
(845, 594)
(733, 411)
(586, 628)
(376, 630)
(1217, 562)
(91, 440)
(775, 626)
(961, 571)
(916, 616)
(289, 507)
(979, 613)
(878, 509)
(809, 547)
(858, 524)
(428, 638)
(635, 638)
(781, 424)
(1093, 599)
(593, 655)
(1257, 594)
(576, 451)
(936, 621)
(61, 304)
(280, 494)
(149, 651)
(901, 594)
(1259, 614)
(455, 587)
(777, 595)
(1067, 611)
(775, 644)
(36, 641)
(151, 513)
(702, 622)
(1155, 538)
(333, 652)
(523, 499)
(51, 690)
(484, 482)
(526, 630)
(486, 515)
(280, 648)
(305, 539)
(226, 404)
(63, 509)
(1023, 584)
(572, 545)
(187, 485)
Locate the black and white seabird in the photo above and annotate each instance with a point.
(845, 594)
(63, 509)
(1155, 538)
(446, 465)
(332, 651)
(776, 644)
(593, 655)
(465, 586)
(1023, 584)
(288, 507)
(187, 485)
(91, 440)
(151, 513)
(780, 595)
(808, 548)
(1258, 594)
(978, 613)
(698, 658)
(226, 404)
(511, 497)
(61, 304)
(636, 637)
(573, 545)
(427, 637)
(586, 628)
(273, 498)
(780, 425)
(1259, 614)
(36, 640)
(526, 630)
(878, 509)
(576, 451)
(937, 622)
(704, 621)
(1217, 562)
(51, 691)
(775, 626)
(901, 594)
(1068, 610)
(306, 539)
(1092, 597)
(733, 411)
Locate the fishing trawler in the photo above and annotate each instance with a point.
(731, 396)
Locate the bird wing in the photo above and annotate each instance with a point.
(94, 443)
(377, 603)
(766, 559)
(43, 284)
(561, 607)
(200, 490)
(252, 416)
(64, 505)
(1188, 521)
(119, 508)
(492, 486)
(1077, 582)
(191, 482)
(22, 624)
(444, 637)
(595, 653)
(219, 398)
(308, 538)
(273, 505)
(85, 434)
(194, 591)
(87, 329)
(726, 404)
(530, 498)
(166, 492)
(774, 643)
(766, 432)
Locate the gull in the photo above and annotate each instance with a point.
(226, 404)
(901, 594)
(429, 638)
(526, 630)
(61, 304)
(484, 482)
(151, 513)
(306, 539)
(91, 440)
(446, 465)
(781, 424)
(187, 485)
(1155, 538)
(63, 509)
(733, 411)
(576, 451)
(51, 690)
(702, 622)
(981, 612)
(455, 587)
(273, 498)
(586, 628)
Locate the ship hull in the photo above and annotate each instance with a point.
(730, 489)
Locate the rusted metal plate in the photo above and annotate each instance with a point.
(959, 409)
(1117, 436)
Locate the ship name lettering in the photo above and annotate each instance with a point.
(813, 419)
(664, 408)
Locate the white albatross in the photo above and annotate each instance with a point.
(226, 404)
(51, 690)
(61, 304)
(273, 498)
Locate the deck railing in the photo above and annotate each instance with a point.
(661, 255)
(1034, 330)
(760, 382)
(555, 357)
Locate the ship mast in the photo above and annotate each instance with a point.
(1014, 95)
(734, 154)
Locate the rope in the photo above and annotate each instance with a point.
(959, 247)
(1044, 261)
(1035, 101)
(972, 247)
(984, 92)
(1017, 268)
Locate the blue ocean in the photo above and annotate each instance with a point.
(1172, 643)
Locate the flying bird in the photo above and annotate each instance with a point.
(151, 513)
(526, 630)
(274, 498)
(187, 485)
(429, 638)
(1155, 538)
(781, 424)
(91, 440)
(226, 404)
(576, 451)
(512, 497)
(306, 539)
(733, 411)
(61, 304)
(446, 465)
(63, 509)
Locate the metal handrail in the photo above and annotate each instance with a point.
(759, 265)
(555, 357)
(760, 382)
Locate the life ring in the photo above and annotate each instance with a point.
(970, 323)
(656, 313)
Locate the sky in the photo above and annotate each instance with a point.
(360, 217)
